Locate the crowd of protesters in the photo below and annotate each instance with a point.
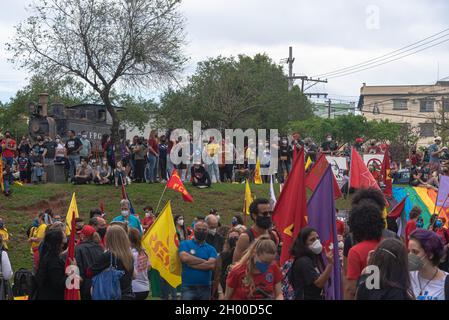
(238, 262)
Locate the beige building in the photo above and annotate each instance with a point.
(413, 105)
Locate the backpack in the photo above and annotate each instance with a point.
(23, 283)
(273, 235)
(106, 285)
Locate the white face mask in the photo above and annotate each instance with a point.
(213, 231)
(181, 222)
(147, 214)
(316, 247)
(84, 137)
(125, 213)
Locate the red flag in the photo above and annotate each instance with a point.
(176, 184)
(386, 174)
(360, 177)
(73, 292)
(314, 176)
(397, 211)
(290, 211)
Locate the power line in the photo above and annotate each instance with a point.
(387, 55)
(386, 62)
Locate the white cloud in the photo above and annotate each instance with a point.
(326, 35)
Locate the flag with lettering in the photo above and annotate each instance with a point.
(161, 243)
(175, 183)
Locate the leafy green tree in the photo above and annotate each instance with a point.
(228, 92)
(108, 44)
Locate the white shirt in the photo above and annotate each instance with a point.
(432, 291)
(6, 269)
(140, 283)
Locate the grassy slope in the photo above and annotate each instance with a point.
(19, 210)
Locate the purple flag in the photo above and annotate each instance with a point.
(322, 217)
(443, 192)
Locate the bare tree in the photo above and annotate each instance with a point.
(109, 44)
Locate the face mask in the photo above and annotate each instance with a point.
(316, 247)
(125, 213)
(181, 222)
(58, 141)
(263, 222)
(415, 263)
(105, 162)
(262, 266)
(233, 242)
(438, 224)
(84, 137)
(200, 236)
(213, 231)
(102, 232)
(234, 222)
(147, 214)
(420, 224)
(329, 139)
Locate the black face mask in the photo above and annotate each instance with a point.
(233, 242)
(102, 232)
(200, 236)
(264, 222)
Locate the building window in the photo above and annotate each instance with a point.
(400, 104)
(445, 105)
(427, 106)
(426, 130)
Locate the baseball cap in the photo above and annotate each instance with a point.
(88, 230)
(437, 139)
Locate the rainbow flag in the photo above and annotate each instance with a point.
(422, 197)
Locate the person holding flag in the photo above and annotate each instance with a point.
(127, 217)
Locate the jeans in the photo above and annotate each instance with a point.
(150, 168)
(156, 166)
(163, 168)
(170, 166)
(167, 290)
(74, 161)
(9, 161)
(6, 185)
(196, 293)
(36, 174)
(214, 172)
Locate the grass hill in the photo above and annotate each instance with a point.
(26, 202)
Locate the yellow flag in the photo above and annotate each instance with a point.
(248, 199)
(257, 176)
(1, 175)
(161, 244)
(309, 162)
(68, 219)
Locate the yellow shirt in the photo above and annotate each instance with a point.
(5, 236)
(212, 149)
(39, 233)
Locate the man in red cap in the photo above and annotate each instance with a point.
(86, 253)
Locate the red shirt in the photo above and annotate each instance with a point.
(147, 221)
(443, 234)
(6, 152)
(411, 226)
(153, 144)
(358, 256)
(263, 281)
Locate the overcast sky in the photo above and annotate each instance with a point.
(326, 35)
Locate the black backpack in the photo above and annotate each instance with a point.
(23, 283)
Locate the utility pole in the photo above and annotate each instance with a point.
(292, 77)
(329, 104)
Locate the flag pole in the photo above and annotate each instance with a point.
(435, 207)
(160, 199)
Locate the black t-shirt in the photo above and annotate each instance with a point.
(285, 152)
(39, 149)
(24, 148)
(329, 146)
(304, 273)
(311, 150)
(51, 149)
(216, 241)
(390, 293)
(72, 145)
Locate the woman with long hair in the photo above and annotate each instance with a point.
(140, 284)
(224, 262)
(180, 226)
(118, 248)
(50, 275)
(391, 259)
(256, 276)
(309, 274)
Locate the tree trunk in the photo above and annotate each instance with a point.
(115, 134)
